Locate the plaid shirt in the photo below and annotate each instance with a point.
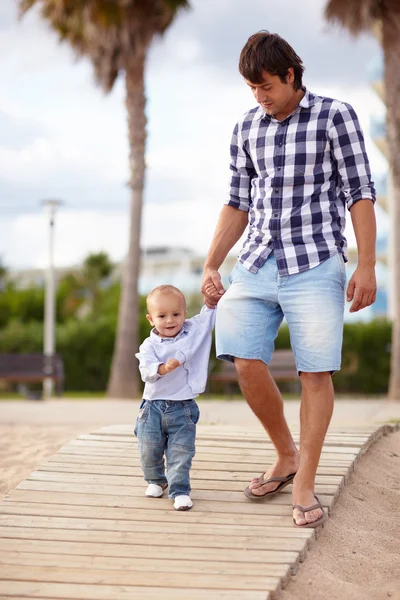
(294, 178)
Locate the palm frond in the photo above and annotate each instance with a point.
(354, 15)
(112, 33)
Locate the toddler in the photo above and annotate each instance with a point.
(173, 363)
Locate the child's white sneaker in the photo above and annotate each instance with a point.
(155, 491)
(183, 503)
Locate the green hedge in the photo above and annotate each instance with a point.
(87, 346)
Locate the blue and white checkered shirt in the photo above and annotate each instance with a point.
(294, 178)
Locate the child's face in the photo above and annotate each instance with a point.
(167, 313)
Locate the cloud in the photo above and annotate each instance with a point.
(60, 136)
(221, 29)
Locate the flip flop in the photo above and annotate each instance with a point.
(283, 482)
(303, 509)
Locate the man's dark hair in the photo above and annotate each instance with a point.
(269, 52)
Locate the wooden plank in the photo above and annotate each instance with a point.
(195, 474)
(214, 496)
(156, 565)
(95, 499)
(153, 512)
(214, 455)
(251, 558)
(203, 460)
(86, 524)
(241, 542)
(138, 578)
(62, 591)
(123, 481)
(234, 446)
(330, 440)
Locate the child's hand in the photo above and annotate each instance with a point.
(212, 288)
(172, 364)
(169, 366)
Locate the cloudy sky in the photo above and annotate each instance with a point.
(60, 137)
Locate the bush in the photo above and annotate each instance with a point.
(21, 337)
(87, 346)
(365, 358)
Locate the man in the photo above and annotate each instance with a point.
(297, 161)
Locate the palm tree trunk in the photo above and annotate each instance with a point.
(124, 378)
(391, 48)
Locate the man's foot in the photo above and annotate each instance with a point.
(302, 518)
(182, 502)
(282, 468)
(155, 491)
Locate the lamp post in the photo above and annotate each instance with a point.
(49, 304)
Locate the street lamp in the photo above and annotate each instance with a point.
(50, 299)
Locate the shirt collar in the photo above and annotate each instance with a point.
(307, 101)
(157, 338)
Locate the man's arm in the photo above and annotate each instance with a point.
(233, 218)
(348, 150)
(362, 285)
(231, 224)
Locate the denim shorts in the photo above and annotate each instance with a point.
(312, 302)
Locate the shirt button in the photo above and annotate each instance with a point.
(279, 168)
(276, 191)
(275, 214)
(275, 237)
(280, 144)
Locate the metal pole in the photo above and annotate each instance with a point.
(50, 300)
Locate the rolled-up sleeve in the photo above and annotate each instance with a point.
(242, 172)
(148, 363)
(349, 153)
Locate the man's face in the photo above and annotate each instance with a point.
(273, 95)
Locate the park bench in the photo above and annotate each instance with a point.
(282, 368)
(31, 368)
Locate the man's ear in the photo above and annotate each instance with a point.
(150, 320)
(290, 75)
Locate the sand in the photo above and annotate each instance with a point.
(357, 555)
(24, 447)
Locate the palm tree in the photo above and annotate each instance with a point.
(366, 15)
(116, 35)
(3, 274)
(96, 268)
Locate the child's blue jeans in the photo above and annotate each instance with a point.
(167, 427)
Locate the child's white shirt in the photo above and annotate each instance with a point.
(191, 347)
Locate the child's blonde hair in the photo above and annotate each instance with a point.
(164, 289)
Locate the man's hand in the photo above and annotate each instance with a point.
(211, 287)
(362, 288)
(170, 365)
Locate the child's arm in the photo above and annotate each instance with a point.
(170, 365)
(149, 365)
(148, 362)
(206, 317)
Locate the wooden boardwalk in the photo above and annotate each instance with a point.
(80, 527)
